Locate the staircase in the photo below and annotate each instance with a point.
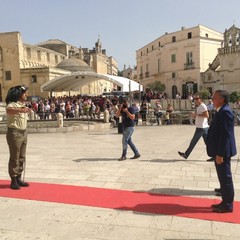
(215, 63)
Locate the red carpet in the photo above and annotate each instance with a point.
(190, 207)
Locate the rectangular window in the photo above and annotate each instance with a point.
(141, 73)
(39, 55)
(209, 77)
(56, 59)
(189, 35)
(173, 58)
(1, 57)
(159, 65)
(173, 75)
(48, 57)
(174, 39)
(189, 58)
(147, 50)
(152, 47)
(159, 44)
(34, 78)
(28, 53)
(8, 75)
(147, 72)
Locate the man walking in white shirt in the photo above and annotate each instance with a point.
(201, 123)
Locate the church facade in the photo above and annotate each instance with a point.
(224, 71)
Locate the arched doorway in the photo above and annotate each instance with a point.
(174, 91)
(189, 88)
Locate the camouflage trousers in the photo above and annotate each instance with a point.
(17, 143)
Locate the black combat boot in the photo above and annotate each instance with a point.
(14, 184)
(21, 183)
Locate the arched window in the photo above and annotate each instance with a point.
(237, 39)
(230, 40)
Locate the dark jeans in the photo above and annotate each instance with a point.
(144, 116)
(226, 183)
(199, 132)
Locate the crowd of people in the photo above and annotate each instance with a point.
(72, 106)
(82, 106)
(85, 106)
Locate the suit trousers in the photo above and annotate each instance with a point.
(226, 183)
(17, 143)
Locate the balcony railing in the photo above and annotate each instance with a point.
(141, 76)
(227, 50)
(146, 74)
(189, 66)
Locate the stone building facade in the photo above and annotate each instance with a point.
(34, 65)
(129, 72)
(224, 70)
(177, 59)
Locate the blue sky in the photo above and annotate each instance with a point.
(123, 25)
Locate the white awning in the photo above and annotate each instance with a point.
(75, 80)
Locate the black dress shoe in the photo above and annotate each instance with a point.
(135, 156)
(217, 189)
(182, 154)
(21, 183)
(222, 209)
(218, 192)
(216, 205)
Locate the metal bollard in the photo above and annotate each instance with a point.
(32, 115)
(59, 120)
(106, 116)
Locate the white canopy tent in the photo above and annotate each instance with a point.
(75, 80)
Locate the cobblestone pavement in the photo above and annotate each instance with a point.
(89, 158)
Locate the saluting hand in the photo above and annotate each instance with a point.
(26, 110)
(219, 159)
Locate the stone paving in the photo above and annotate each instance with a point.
(89, 158)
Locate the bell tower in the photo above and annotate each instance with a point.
(231, 37)
(98, 45)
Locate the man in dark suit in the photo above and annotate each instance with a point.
(221, 145)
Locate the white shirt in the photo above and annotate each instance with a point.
(201, 122)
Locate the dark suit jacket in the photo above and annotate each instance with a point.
(220, 138)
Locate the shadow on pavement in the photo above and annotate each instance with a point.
(166, 209)
(3, 186)
(171, 160)
(94, 159)
(179, 192)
